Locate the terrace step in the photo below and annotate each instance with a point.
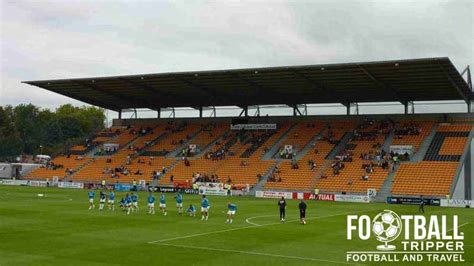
(386, 188)
(176, 151)
(276, 145)
(340, 146)
(263, 180)
(465, 156)
(388, 141)
(423, 149)
(210, 145)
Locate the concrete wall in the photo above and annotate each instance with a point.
(6, 169)
(459, 189)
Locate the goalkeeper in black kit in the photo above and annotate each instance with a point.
(302, 207)
(282, 205)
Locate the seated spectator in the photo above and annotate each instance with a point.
(138, 172)
(369, 169)
(186, 161)
(277, 170)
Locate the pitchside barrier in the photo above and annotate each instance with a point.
(413, 201)
(168, 189)
(207, 189)
(457, 203)
(10, 182)
(70, 185)
(312, 196)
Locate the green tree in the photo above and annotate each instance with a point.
(25, 127)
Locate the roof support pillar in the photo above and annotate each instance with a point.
(257, 112)
(245, 111)
(120, 114)
(468, 174)
(173, 113)
(158, 113)
(200, 112)
(296, 110)
(213, 113)
(348, 108)
(407, 105)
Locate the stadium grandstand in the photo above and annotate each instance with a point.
(395, 155)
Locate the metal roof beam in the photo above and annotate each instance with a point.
(119, 96)
(146, 87)
(461, 93)
(257, 88)
(81, 98)
(207, 91)
(314, 83)
(468, 77)
(381, 84)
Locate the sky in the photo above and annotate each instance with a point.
(66, 39)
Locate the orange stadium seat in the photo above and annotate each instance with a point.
(243, 163)
(432, 177)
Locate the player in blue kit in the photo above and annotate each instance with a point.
(205, 208)
(123, 204)
(163, 204)
(91, 195)
(191, 210)
(134, 202)
(102, 200)
(231, 209)
(128, 203)
(111, 202)
(151, 204)
(179, 203)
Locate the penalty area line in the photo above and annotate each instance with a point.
(255, 253)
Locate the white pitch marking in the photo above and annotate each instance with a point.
(256, 253)
(244, 227)
(201, 234)
(255, 217)
(459, 226)
(296, 220)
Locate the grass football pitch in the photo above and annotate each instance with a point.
(60, 230)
